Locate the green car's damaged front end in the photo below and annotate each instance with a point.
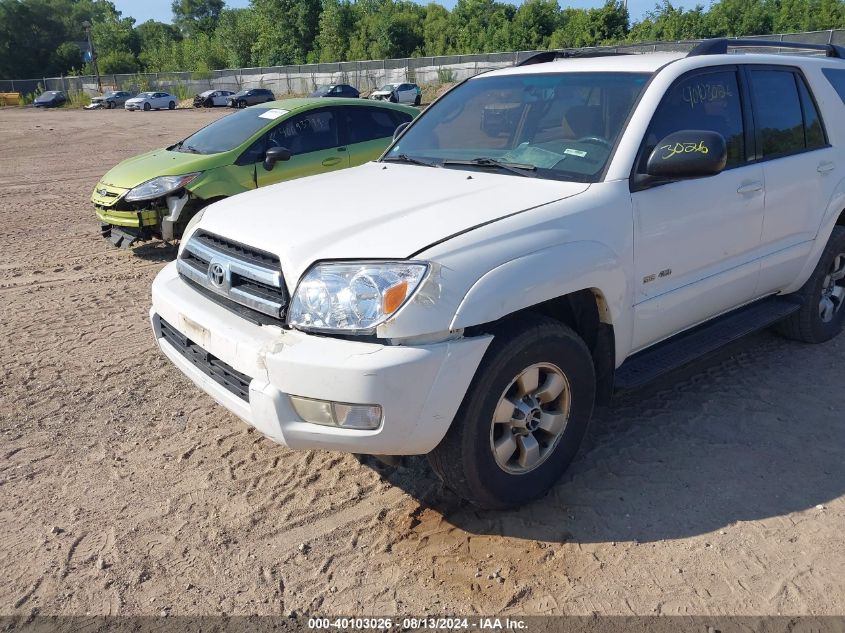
(154, 195)
(132, 207)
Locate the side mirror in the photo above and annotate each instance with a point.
(275, 154)
(688, 154)
(401, 128)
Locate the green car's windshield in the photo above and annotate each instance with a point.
(228, 132)
(561, 126)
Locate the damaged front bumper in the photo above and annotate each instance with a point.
(124, 225)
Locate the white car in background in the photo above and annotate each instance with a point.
(398, 93)
(212, 98)
(151, 101)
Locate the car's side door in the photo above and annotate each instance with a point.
(799, 167)
(313, 139)
(697, 241)
(369, 130)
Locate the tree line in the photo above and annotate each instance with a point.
(44, 37)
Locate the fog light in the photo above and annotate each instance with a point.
(342, 414)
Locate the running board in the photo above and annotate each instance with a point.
(686, 347)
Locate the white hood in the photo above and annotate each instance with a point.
(377, 210)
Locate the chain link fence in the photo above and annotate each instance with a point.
(364, 75)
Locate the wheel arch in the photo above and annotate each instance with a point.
(581, 284)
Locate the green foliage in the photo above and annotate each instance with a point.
(118, 62)
(39, 38)
(196, 16)
(76, 99)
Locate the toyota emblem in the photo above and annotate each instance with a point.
(217, 274)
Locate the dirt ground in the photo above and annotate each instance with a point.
(124, 490)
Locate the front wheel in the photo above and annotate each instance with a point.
(109, 105)
(522, 419)
(147, 107)
(417, 100)
(821, 316)
(241, 103)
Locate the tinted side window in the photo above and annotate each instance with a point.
(367, 124)
(836, 78)
(399, 117)
(309, 132)
(704, 101)
(780, 125)
(813, 131)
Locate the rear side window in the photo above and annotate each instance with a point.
(703, 101)
(786, 118)
(780, 126)
(813, 131)
(367, 124)
(836, 78)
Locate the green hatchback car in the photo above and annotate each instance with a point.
(156, 194)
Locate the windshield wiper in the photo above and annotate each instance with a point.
(181, 147)
(519, 169)
(404, 158)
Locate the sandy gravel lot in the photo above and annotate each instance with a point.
(124, 490)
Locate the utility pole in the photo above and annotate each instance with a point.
(87, 26)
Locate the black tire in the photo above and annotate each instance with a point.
(393, 99)
(109, 105)
(147, 107)
(464, 459)
(171, 105)
(417, 101)
(241, 103)
(807, 324)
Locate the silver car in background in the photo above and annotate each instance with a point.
(111, 99)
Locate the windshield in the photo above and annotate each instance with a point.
(387, 88)
(226, 133)
(49, 94)
(146, 94)
(240, 93)
(321, 90)
(559, 126)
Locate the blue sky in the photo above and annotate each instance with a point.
(143, 10)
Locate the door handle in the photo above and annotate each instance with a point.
(750, 187)
(825, 167)
(330, 161)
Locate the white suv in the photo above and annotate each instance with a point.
(624, 214)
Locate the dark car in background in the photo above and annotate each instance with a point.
(50, 99)
(250, 97)
(336, 90)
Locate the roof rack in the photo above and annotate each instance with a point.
(719, 46)
(548, 56)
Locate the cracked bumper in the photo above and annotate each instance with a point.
(419, 387)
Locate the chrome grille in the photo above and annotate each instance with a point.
(241, 274)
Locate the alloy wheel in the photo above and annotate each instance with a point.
(833, 290)
(530, 418)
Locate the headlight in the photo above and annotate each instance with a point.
(353, 297)
(160, 186)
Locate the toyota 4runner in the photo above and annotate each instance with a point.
(475, 291)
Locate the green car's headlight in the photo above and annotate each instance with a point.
(160, 186)
(353, 297)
